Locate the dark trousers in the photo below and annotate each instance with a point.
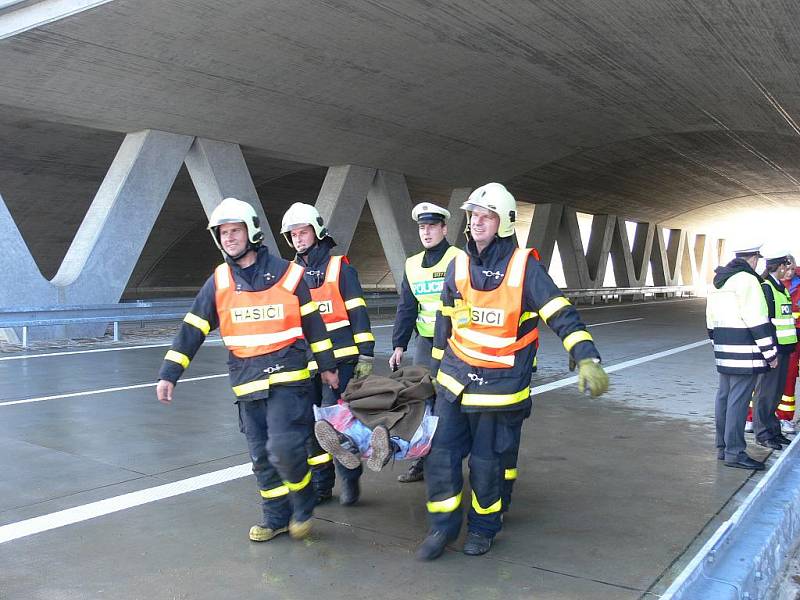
(422, 351)
(730, 412)
(768, 392)
(324, 475)
(509, 464)
(276, 429)
(486, 437)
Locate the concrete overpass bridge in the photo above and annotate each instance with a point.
(122, 121)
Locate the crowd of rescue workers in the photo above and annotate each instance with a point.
(301, 355)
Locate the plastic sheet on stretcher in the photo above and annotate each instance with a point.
(342, 419)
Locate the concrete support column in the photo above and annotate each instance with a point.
(704, 259)
(102, 256)
(218, 170)
(390, 204)
(666, 258)
(584, 270)
(341, 201)
(544, 230)
(630, 264)
(458, 218)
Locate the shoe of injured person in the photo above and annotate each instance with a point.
(787, 427)
(341, 447)
(382, 448)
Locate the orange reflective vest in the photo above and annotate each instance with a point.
(329, 297)
(257, 323)
(486, 323)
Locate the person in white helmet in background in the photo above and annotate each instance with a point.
(335, 287)
(420, 301)
(268, 321)
(493, 298)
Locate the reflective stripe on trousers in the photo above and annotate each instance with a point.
(486, 437)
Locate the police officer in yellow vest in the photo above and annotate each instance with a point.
(268, 321)
(483, 348)
(769, 385)
(419, 296)
(335, 286)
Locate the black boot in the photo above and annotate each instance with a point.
(416, 472)
(433, 546)
(477, 544)
(349, 492)
(322, 496)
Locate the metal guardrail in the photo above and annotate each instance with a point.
(44, 316)
(746, 555)
(168, 310)
(618, 293)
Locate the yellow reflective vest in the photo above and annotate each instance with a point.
(426, 284)
(785, 330)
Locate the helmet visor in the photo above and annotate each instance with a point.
(471, 207)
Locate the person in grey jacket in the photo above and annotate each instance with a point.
(744, 347)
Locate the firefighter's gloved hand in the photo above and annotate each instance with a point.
(572, 364)
(592, 376)
(363, 367)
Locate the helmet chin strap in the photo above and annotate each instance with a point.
(250, 246)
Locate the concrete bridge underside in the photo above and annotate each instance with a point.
(678, 114)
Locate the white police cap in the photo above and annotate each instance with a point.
(775, 252)
(748, 249)
(427, 212)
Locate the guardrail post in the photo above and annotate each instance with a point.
(116, 331)
(25, 336)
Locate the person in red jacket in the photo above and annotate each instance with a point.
(785, 412)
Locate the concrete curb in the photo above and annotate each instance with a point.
(749, 552)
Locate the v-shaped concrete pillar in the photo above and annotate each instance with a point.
(458, 218)
(666, 259)
(669, 262)
(341, 201)
(113, 233)
(630, 264)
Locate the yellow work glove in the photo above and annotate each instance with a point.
(363, 367)
(591, 375)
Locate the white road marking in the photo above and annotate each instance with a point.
(93, 510)
(103, 391)
(554, 385)
(612, 322)
(71, 352)
(51, 521)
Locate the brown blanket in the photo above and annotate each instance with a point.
(397, 402)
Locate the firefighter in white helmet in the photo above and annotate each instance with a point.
(483, 348)
(419, 297)
(268, 321)
(335, 287)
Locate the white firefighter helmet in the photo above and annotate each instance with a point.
(232, 210)
(496, 198)
(300, 214)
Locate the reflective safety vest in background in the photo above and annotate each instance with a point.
(785, 330)
(257, 323)
(426, 284)
(329, 298)
(486, 332)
